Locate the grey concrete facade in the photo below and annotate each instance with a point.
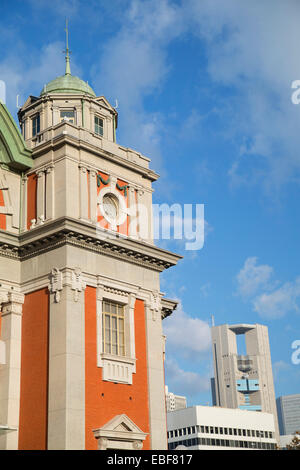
(288, 410)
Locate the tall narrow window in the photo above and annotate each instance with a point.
(98, 126)
(35, 125)
(113, 341)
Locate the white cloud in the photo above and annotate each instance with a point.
(246, 50)
(280, 302)
(252, 47)
(270, 299)
(135, 65)
(184, 382)
(27, 74)
(253, 277)
(186, 335)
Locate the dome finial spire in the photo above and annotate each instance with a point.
(67, 51)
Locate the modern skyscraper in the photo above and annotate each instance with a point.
(288, 409)
(243, 379)
(81, 342)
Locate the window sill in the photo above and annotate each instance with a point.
(117, 369)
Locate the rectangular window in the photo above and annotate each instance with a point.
(113, 340)
(98, 126)
(35, 125)
(68, 116)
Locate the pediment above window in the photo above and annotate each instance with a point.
(120, 433)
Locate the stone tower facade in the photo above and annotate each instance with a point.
(81, 341)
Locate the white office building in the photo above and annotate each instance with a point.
(174, 402)
(217, 428)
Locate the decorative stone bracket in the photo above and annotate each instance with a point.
(154, 304)
(56, 284)
(58, 280)
(78, 285)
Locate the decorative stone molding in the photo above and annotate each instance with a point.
(41, 220)
(115, 291)
(32, 223)
(44, 239)
(56, 284)
(120, 433)
(82, 168)
(13, 304)
(49, 169)
(10, 303)
(168, 307)
(102, 443)
(40, 173)
(117, 369)
(77, 283)
(137, 445)
(155, 305)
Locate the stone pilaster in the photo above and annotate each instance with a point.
(24, 204)
(50, 193)
(66, 411)
(83, 195)
(40, 212)
(93, 196)
(133, 223)
(11, 327)
(156, 382)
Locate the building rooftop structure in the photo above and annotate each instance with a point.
(217, 428)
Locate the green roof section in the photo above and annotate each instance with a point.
(13, 151)
(68, 84)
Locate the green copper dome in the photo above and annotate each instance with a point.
(68, 84)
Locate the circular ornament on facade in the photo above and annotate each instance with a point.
(110, 205)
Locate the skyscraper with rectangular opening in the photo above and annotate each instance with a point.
(243, 379)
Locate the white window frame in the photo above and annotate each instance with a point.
(36, 116)
(117, 368)
(98, 116)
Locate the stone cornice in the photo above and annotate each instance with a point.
(167, 307)
(63, 139)
(68, 231)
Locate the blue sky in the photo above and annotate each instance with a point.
(204, 90)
